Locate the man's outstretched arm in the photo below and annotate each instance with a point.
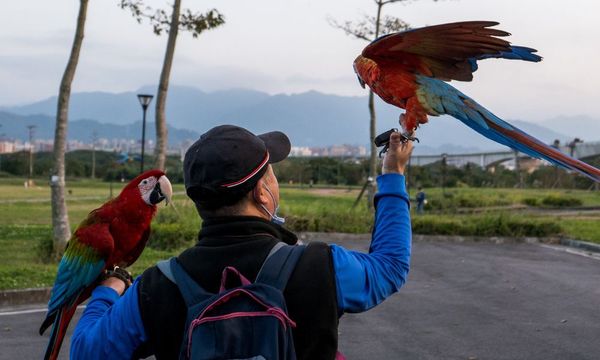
(365, 280)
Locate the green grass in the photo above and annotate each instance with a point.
(579, 229)
(25, 223)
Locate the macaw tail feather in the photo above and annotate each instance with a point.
(62, 318)
(440, 98)
(502, 132)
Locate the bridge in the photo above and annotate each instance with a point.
(577, 149)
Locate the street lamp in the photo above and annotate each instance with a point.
(145, 100)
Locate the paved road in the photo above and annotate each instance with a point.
(462, 301)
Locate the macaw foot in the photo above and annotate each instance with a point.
(384, 139)
(409, 136)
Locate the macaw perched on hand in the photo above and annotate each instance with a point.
(112, 235)
(410, 70)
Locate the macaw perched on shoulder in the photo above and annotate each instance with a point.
(115, 234)
(411, 69)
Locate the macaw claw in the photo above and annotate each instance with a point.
(408, 136)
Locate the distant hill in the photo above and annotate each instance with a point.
(581, 126)
(310, 119)
(14, 126)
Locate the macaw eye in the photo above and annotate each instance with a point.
(144, 182)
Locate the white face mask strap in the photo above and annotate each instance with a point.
(272, 197)
(277, 219)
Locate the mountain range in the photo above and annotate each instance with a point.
(310, 119)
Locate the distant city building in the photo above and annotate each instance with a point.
(7, 147)
(333, 151)
(300, 151)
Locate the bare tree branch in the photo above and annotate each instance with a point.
(358, 29)
(196, 23)
(364, 29)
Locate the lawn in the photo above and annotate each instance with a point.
(25, 225)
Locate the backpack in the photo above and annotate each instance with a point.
(248, 321)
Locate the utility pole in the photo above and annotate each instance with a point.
(94, 139)
(572, 145)
(31, 129)
(444, 167)
(520, 182)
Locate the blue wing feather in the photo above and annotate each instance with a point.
(74, 273)
(515, 53)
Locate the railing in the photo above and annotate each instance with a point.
(484, 159)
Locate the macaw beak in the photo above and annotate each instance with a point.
(361, 82)
(162, 191)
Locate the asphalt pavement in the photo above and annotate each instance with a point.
(462, 301)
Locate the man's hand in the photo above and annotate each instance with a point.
(116, 284)
(117, 279)
(397, 156)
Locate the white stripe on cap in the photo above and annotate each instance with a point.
(249, 176)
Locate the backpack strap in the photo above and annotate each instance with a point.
(191, 292)
(165, 268)
(279, 265)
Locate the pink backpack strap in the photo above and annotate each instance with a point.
(231, 271)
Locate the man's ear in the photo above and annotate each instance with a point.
(259, 193)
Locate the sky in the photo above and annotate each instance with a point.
(288, 46)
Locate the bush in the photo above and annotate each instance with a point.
(44, 250)
(171, 236)
(561, 201)
(490, 225)
(530, 201)
(354, 222)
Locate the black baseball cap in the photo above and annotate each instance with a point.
(227, 162)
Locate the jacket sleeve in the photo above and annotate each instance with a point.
(365, 280)
(110, 327)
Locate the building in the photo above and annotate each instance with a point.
(7, 147)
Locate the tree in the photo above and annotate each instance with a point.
(60, 217)
(370, 28)
(195, 23)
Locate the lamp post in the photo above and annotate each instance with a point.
(444, 168)
(145, 100)
(31, 129)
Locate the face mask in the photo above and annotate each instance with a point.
(274, 217)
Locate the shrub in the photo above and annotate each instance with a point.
(355, 222)
(530, 201)
(44, 249)
(171, 236)
(561, 201)
(490, 225)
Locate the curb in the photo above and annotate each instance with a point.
(582, 245)
(9, 298)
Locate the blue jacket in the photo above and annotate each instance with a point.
(111, 326)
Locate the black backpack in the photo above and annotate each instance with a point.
(242, 322)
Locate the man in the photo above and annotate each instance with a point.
(228, 175)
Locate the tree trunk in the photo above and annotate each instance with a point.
(373, 159)
(163, 87)
(60, 217)
(373, 127)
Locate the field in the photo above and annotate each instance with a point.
(25, 229)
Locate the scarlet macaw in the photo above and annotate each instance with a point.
(112, 235)
(410, 70)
